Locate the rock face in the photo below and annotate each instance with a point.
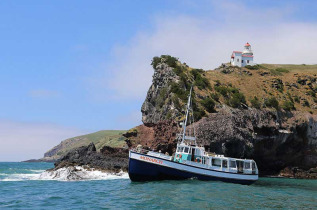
(108, 159)
(159, 136)
(275, 140)
(158, 103)
(295, 172)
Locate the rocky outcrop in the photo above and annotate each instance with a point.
(275, 140)
(159, 136)
(295, 172)
(108, 159)
(158, 104)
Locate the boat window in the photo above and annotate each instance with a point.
(253, 166)
(224, 163)
(216, 162)
(247, 165)
(186, 150)
(233, 164)
(180, 149)
(197, 152)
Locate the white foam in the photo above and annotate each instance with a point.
(20, 177)
(80, 173)
(37, 171)
(67, 174)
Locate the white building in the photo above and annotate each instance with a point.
(242, 58)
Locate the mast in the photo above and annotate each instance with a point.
(187, 112)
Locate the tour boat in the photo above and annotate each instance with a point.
(190, 161)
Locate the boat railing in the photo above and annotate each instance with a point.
(152, 153)
(192, 163)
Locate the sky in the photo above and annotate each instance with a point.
(69, 68)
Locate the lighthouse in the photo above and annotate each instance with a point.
(243, 58)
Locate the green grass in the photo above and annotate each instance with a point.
(102, 138)
(293, 67)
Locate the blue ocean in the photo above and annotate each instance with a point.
(21, 187)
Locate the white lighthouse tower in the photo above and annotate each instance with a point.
(243, 58)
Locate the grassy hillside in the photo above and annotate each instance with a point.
(102, 138)
(293, 86)
(273, 86)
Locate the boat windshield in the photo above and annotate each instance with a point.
(180, 149)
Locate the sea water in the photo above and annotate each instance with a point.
(23, 187)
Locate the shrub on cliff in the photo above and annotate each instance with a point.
(180, 92)
(198, 112)
(311, 93)
(272, 102)
(175, 100)
(200, 81)
(288, 106)
(282, 70)
(162, 97)
(156, 60)
(278, 71)
(169, 60)
(254, 67)
(223, 90)
(236, 100)
(215, 96)
(306, 103)
(209, 104)
(255, 103)
(233, 97)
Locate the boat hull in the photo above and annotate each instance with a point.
(147, 168)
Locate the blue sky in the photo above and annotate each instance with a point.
(74, 67)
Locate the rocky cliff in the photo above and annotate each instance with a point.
(108, 159)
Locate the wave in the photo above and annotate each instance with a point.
(76, 173)
(80, 173)
(19, 177)
(37, 171)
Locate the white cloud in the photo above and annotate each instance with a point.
(207, 41)
(23, 140)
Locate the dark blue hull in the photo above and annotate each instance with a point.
(140, 171)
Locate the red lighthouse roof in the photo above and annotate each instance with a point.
(247, 44)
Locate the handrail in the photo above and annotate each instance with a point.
(152, 153)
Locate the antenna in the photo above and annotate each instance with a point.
(187, 112)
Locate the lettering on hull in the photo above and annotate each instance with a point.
(153, 160)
